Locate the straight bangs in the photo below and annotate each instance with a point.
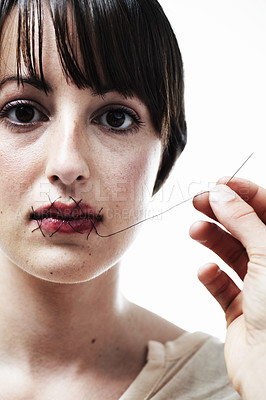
(123, 45)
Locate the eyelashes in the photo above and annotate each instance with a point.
(118, 119)
(23, 115)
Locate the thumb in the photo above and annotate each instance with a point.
(238, 217)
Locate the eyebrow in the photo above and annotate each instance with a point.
(38, 84)
(35, 82)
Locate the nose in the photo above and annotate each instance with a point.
(65, 161)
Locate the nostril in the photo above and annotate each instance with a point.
(54, 178)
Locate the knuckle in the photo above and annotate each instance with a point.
(242, 213)
(218, 236)
(257, 260)
(258, 252)
(220, 292)
(263, 216)
(235, 255)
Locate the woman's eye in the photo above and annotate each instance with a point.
(116, 119)
(21, 113)
(120, 119)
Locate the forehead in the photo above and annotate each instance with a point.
(107, 45)
(8, 45)
(20, 55)
(31, 39)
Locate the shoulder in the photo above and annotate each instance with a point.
(153, 327)
(189, 367)
(194, 363)
(179, 365)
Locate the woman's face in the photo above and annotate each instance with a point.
(64, 156)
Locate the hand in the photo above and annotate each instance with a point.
(242, 211)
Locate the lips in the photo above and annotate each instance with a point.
(66, 218)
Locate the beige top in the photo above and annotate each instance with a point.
(191, 367)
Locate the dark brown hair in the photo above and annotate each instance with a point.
(123, 45)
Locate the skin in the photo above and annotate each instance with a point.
(240, 208)
(66, 330)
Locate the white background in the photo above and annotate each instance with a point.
(223, 43)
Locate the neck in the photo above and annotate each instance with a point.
(44, 323)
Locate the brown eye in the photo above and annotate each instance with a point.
(115, 119)
(118, 119)
(24, 114)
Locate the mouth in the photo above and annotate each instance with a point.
(58, 217)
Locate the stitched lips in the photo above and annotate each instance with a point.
(65, 218)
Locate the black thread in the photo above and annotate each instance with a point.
(147, 219)
(93, 226)
(77, 205)
(169, 209)
(39, 224)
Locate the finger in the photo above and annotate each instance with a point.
(250, 192)
(238, 217)
(229, 249)
(202, 204)
(220, 285)
(235, 309)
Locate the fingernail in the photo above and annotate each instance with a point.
(222, 193)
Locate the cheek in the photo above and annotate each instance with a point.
(130, 178)
(19, 169)
(140, 172)
(10, 162)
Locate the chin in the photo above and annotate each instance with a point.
(68, 266)
(65, 259)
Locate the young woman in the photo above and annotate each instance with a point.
(91, 113)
